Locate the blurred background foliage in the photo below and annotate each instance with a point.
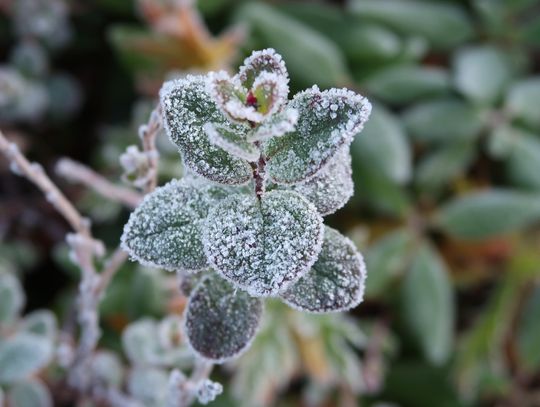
(447, 186)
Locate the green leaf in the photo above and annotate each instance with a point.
(231, 141)
(42, 322)
(11, 298)
(520, 151)
(187, 107)
(107, 368)
(330, 188)
(336, 280)
(148, 385)
(277, 125)
(522, 100)
(261, 63)
(442, 24)
(484, 214)
(164, 231)
(482, 73)
(387, 259)
(428, 305)
(403, 84)
(221, 321)
(140, 342)
(30, 393)
(311, 57)
(528, 336)
(383, 146)
(23, 355)
(265, 245)
(327, 120)
(443, 120)
(446, 163)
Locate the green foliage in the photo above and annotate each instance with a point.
(30, 393)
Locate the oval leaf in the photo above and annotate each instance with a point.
(11, 298)
(263, 246)
(332, 187)
(259, 62)
(522, 101)
(164, 231)
(428, 305)
(187, 107)
(327, 120)
(23, 355)
(482, 215)
(30, 393)
(336, 280)
(220, 320)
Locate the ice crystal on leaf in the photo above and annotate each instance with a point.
(247, 240)
(331, 187)
(336, 280)
(221, 321)
(187, 107)
(263, 246)
(327, 121)
(164, 231)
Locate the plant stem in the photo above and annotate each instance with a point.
(259, 174)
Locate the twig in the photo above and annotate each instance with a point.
(182, 390)
(34, 173)
(77, 172)
(148, 133)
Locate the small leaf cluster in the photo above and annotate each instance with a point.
(26, 347)
(247, 219)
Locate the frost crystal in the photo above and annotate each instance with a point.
(263, 246)
(208, 391)
(231, 141)
(220, 320)
(187, 107)
(336, 280)
(266, 60)
(327, 120)
(276, 126)
(164, 231)
(331, 187)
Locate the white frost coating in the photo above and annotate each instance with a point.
(164, 231)
(273, 89)
(208, 391)
(277, 125)
(332, 187)
(336, 281)
(220, 321)
(230, 141)
(187, 106)
(327, 121)
(266, 60)
(263, 246)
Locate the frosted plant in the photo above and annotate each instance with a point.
(246, 222)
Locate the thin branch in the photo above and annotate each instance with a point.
(34, 173)
(148, 133)
(77, 172)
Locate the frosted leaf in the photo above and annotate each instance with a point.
(187, 106)
(266, 60)
(270, 92)
(208, 391)
(231, 141)
(107, 368)
(335, 282)
(41, 322)
(263, 246)
(332, 187)
(23, 355)
(148, 385)
(29, 393)
(11, 298)
(229, 95)
(276, 125)
(164, 231)
(220, 320)
(327, 121)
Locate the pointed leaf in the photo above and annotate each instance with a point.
(276, 125)
(327, 120)
(221, 321)
(11, 298)
(231, 141)
(30, 393)
(164, 231)
(332, 187)
(336, 280)
(490, 213)
(23, 355)
(263, 246)
(428, 305)
(187, 106)
(260, 62)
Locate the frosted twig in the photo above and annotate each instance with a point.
(148, 133)
(35, 174)
(77, 172)
(182, 390)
